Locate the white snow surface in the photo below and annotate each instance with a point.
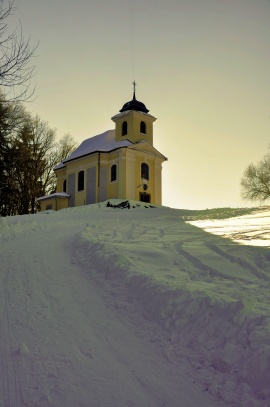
(54, 195)
(252, 229)
(110, 307)
(103, 142)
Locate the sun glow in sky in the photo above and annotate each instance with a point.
(202, 68)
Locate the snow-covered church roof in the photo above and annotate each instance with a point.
(61, 195)
(104, 142)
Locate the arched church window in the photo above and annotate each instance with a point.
(81, 181)
(113, 173)
(65, 186)
(143, 128)
(144, 171)
(124, 128)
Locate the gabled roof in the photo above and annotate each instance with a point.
(146, 147)
(104, 142)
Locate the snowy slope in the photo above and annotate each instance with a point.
(252, 229)
(131, 307)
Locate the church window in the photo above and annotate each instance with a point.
(65, 186)
(145, 171)
(143, 128)
(81, 181)
(113, 173)
(124, 128)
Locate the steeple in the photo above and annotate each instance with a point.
(134, 104)
(134, 89)
(134, 123)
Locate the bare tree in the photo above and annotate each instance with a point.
(65, 146)
(35, 143)
(15, 56)
(255, 183)
(29, 152)
(12, 118)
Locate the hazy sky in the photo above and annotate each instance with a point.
(202, 68)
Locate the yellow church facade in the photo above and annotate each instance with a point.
(120, 163)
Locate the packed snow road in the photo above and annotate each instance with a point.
(64, 344)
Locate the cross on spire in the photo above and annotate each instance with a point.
(134, 89)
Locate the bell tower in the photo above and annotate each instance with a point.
(134, 123)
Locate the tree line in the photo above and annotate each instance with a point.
(29, 149)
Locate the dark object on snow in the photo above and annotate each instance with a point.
(121, 205)
(126, 205)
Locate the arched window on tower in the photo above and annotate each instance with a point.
(143, 128)
(113, 173)
(124, 128)
(145, 171)
(65, 186)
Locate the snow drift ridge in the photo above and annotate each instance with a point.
(218, 328)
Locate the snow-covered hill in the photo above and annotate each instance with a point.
(109, 307)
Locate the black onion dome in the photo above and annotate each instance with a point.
(134, 104)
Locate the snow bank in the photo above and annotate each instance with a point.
(209, 295)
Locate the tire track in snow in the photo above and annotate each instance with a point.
(196, 262)
(27, 303)
(238, 260)
(12, 395)
(42, 389)
(213, 272)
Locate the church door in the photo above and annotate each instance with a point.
(144, 197)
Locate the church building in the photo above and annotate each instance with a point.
(120, 163)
